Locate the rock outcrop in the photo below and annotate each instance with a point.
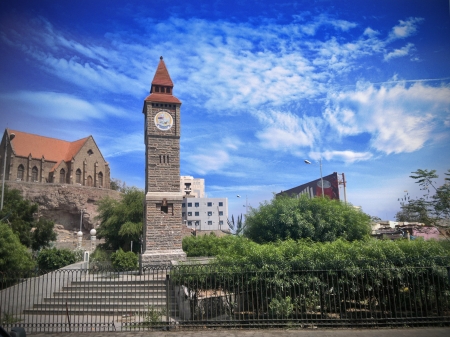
(63, 204)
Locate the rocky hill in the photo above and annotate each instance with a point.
(63, 203)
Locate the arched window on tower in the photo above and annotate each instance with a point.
(62, 176)
(34, 174)
(89, 181)
(78, 176)
(20, 171)
(100, 179)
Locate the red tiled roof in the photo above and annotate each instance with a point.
(165, 98)
(51, 149)
(162, 76)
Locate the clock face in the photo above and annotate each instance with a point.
(163, 120)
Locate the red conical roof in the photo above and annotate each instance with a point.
(162, 79)
(162, 76)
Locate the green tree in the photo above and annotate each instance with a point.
(121, 221)
(43, 234)
(433, 208)
(13, 254)
(319, 219)
(117, 185)
(19, 213)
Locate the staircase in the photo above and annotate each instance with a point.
(123, 295)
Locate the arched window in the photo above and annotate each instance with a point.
(89, 181)
(20, 170)
(34, 174)
(78, 176)
(62, 176)
(100, 179)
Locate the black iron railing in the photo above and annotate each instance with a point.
(192, 296)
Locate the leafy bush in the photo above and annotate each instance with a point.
(318, 219)
(124, 260)
(303, 276)
(13, 255)
(205, 245)
(52, 259)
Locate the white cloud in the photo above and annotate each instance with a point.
(399, 118)
(58, 106)
(399, 52)
(209, 161)
(122, 144)
(405, 28)
(285, 131)
(311, 28)
(347, 156)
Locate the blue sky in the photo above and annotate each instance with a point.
(364, 85)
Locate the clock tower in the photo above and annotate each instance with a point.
(163, 197)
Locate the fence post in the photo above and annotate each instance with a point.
(167, 299)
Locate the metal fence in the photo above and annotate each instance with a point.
(199, 296)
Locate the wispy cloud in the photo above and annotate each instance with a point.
(399, 52)
(405, 28)
(284, 131)
(399, 118)
(59, 106)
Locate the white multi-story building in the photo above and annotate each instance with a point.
(205, 214)
(197, 186)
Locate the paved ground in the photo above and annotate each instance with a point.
(406, 332)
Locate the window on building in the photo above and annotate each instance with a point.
(209, 204)
(221, 222)
(183, 214)
(209, 213)
(100, 179)
(189, 204)
(156, 89)
(183, 205)
(197, 204)
(62, 176)
(168, 90)
(189, 223)
(197, 223)
(20, 170)
(209, 223)
(197, 213)
(90, 152)
(220, 203)
(34, 174)
(189, 213)
(90, 181)
(78, 176)
(220, 213)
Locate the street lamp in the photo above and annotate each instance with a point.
(246, 205)
(10, 138)
(321, 178)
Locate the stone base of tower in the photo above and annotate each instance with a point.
(162, 257)
(163, 228)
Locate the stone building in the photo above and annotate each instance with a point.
(163, 199)
(39, 159)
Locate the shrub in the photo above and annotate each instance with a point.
(52, 259)
(206, 245)
(124, 260)
(13, 255)
(318, 219)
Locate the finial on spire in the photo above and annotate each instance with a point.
(160, 57)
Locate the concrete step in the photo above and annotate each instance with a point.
(119, 282)
(101, 306)
(93, 311)
(108, 294)
(102, 300)
(98, 287)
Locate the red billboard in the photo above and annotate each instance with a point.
(314, 188)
